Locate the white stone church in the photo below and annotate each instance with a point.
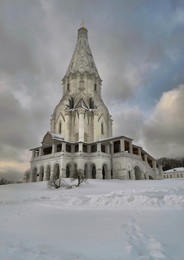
(80, 136)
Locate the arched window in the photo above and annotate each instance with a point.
(71, 103)
(91, 103)
(60, 127)
(102, 128)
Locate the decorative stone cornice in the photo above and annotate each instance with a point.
(81, 110)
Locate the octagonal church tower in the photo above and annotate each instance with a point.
(80, 136)
(81, 115)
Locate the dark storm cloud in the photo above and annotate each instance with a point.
(15, 131)
(137, 45)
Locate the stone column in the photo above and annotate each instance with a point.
(81, 124)
(132, 174)
(88, 171)
(62, 173)
(53, 148)
(52, 175)
(33, 153)
(72, 148)
(45, 175)
(40, 151)
(145, 158)
(130, 147)
(80, 147)
(160, 171)
(95, 129)
(67, 129)
(122, 145)
(32, 177)
(107, 148)
(154, 166)
(98, 147)
(139, 151)
(99, 173)
(63, 147)
(89, 148)
(111, 147)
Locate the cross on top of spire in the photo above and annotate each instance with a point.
(82, 23)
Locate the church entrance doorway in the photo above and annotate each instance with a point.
(93, 171)
(137, 171)
(86, 171)
(68, 170)
(150, 177)
(104, 172)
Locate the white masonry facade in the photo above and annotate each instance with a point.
(80, 136)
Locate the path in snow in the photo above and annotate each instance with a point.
(104, 220)
(142, 246)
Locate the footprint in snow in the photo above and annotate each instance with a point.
(142, 245)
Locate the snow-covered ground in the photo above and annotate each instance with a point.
(101, 220)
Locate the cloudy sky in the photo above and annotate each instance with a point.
(138, 47)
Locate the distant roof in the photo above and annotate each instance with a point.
(82, 59)
(180, 169)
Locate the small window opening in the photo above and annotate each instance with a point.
(47, 150)
(68, 86)
(59, 148)
(93, 148)
(103, 148)
(76, 148)
(68, 148)
(117, 146)
(95, 87)
(102, 129)
(60, 128)
(85, 149)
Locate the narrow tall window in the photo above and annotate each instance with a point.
(59, 128)
(95, 87)
(102, 128)
(68, 86)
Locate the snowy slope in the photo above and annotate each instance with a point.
(103, 219)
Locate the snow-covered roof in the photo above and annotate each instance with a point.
(180, 169)
(114, 137)
(56, 136)
(35, 148)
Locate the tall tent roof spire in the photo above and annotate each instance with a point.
(82, 59)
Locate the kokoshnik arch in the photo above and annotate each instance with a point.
(80, 136)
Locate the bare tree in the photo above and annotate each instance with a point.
(79, 176)
(27, 176)
(56, 183)
(61, 183)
